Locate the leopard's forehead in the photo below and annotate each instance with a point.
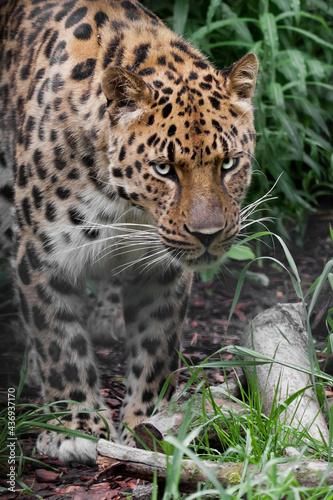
(192, 118)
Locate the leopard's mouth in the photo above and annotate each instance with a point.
(194, 257)
(204, 261)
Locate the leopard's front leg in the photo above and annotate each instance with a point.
(65, 361)
(154, 309)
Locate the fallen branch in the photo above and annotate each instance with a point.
(142, 464)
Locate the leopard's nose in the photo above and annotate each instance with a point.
(206, 238)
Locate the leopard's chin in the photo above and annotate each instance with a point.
(206, 261)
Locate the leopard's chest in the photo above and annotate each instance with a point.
(112, 235)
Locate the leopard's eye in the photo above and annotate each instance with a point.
(228, 163)
(164, 169)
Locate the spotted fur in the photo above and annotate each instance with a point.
(131, 153)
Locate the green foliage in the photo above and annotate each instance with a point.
(293, 40)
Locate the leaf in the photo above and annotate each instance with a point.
(241, 29)
(322, 84)
(312, 287)
(303, 14)
(213, 6)
(315, 68)
(319, 140)
(233, 44)
(291, 65)
(238, 290)
(205, 30)
(207, 275)
(262, 359)
(291, 132)
(308, 34)
(296, 5)
(330, 280)
(315, 114)
(297, 62)
(276, 94)
(325, 275)
(180, 14)
(308, 160)
(240, 252)
(283, 5)
(269, 30)
(178, 444)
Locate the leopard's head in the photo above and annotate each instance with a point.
(181, 147)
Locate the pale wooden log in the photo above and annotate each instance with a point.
(143, 492)
(142, 464)
(280, 333)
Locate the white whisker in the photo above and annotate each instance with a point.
(119, 237)
(251, 208)
(154, 262)
(125, 266)
(115, 253)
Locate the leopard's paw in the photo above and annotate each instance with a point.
(75, 449)
(67, 448)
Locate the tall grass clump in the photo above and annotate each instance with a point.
(293, 40)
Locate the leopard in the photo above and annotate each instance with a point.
(126, 154)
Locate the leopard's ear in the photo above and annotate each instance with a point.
(127, 94)
(240, 77)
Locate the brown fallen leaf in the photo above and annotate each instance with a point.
(46, 476)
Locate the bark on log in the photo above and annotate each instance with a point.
(280, 333)
(142, 464)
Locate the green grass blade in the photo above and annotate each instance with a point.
(231, 43)
(238, 290)
(307, 34)
(216, 25)
(291, 131)
(213, 6)
(289, 257)
(296, 6)
(211, 477)
(241, 30)
(276, 94)
(321, 84)
(322, 280)
(269, 30)
(302, 14)
(180, 14)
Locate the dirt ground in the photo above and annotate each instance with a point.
(206, 330)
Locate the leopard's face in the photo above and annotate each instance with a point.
(184, 154)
